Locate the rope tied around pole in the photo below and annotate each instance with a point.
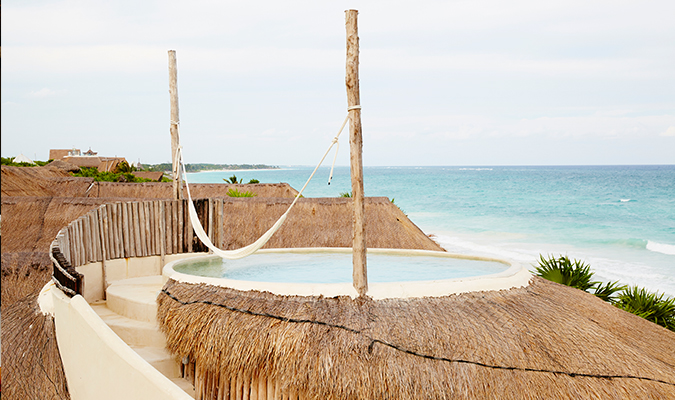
(337, 137)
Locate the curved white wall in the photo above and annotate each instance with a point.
(97, 363)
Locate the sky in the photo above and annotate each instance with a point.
(442, 82)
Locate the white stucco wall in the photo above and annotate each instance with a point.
(97, 363)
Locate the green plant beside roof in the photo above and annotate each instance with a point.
(574, 273)
(236, 193)
(232, 179)
(651, 306)
(648, 305)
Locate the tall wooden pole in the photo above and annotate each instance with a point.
(360, 272)
(173, 93)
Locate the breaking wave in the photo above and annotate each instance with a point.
(661, 248)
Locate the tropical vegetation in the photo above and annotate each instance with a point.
(236, 193)
(651, 306)
(9, 161)
(117, 176)
(233, 179)
(167, 167)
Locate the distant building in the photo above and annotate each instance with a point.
(88, 159)
(59, 154)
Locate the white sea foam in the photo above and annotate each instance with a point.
(459, 245)
(661, 248)
(605, 265)
(625, 200)
(475, 169)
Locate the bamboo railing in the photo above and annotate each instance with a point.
(131, 229)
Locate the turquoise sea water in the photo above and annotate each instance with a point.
(620, 219)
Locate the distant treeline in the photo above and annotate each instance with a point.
(10, 162)
(166, 167)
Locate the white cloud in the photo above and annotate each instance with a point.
(433, 74)
(42, 93)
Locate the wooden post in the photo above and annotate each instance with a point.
(173, 92)
(102, 233)
(360, 272)
(162, 234)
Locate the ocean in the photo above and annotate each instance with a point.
(618, 219)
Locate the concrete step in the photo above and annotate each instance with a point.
(135, 298)
(161, 359)
(133, 332)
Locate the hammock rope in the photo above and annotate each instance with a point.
(255, 246)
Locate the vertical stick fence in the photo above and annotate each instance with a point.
(132, 229)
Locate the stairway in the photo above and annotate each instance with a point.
(131, 312)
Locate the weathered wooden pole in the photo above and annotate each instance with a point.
(360, 272)
(173, 93)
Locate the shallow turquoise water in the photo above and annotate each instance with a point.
(337, 268)
(620, 219)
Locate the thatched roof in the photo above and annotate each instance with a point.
(544, 341)
(60, 164)
(54, 180)
(84, 161)
(320, 222)
(23, 273)
(163, 190)
(41, 181)
(31, 223)
(31, 363)
(152, 175)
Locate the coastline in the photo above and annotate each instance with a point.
(521, 212)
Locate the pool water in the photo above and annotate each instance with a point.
(337, 268)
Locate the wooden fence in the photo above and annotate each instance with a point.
(131, 229)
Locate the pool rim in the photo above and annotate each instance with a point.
(514, 276)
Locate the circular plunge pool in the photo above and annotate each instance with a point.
(336, 267)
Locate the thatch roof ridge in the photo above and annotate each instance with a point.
(544, 341)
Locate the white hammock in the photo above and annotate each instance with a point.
(255, 246)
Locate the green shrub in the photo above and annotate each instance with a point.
(236, 193)
(648, 305)
(93, 172)
(562, 270)
(233, 179)
(124, 168)
(608, 291)
(9, 161)
(253, 181)
(346, 194)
